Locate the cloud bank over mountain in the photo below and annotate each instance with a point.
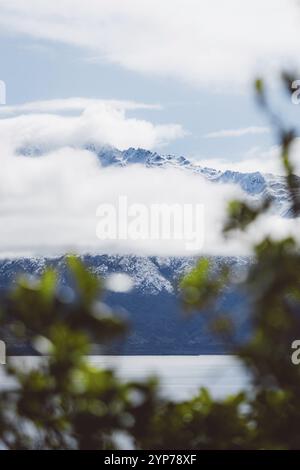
(256, 159)
(54, 176)
(99, 121)
(48, 204)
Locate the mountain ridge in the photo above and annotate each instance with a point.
(158, 323)
(256, 185)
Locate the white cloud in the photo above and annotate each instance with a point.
(256, 159)
(48, 207)
(73, 104)
(99, 122)
(252, 130)
(211, 42)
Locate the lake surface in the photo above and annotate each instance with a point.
(180, 376)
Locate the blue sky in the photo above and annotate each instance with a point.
(44, 57)
(42, 70)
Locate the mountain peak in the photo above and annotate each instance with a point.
(254, 184)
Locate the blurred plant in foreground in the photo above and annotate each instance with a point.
(65, 402)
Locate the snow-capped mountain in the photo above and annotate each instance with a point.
(153, 305)
(255, 184)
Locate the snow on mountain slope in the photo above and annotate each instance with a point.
(255, 184)
(150, 275)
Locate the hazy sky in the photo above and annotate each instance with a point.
(197, 60)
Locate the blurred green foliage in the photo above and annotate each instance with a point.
(65, 402)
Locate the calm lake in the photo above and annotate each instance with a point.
(180, 376)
